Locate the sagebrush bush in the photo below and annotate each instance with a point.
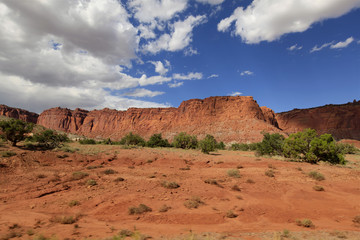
(239, 147)
(156, 140)
(79, 175)
(316, 175)
(132, 139)
(347, 148)
(185, 141)
(233, 173)
(169, 185)
(194, 202)
(142, 208)
(305, 223)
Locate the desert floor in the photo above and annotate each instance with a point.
(41, 198)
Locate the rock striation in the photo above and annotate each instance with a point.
(342, 121)
(18, 114)
(227, 118)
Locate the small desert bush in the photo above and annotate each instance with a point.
(231, 214)
(211, 181)
(236, 188)
(30, 232)
(8, 154)
(194, 202)
(233, 173)
(40, 175)
(126, 233)
(220, 146)
(73, 203)
(270, 173)
(109, 171)
(119, 179)
(142, 208)
(347, 148)
(79, 175)
(187, 168)
(169, 185)
(91, 182)
(250, 181)
(164, 208)
(318, 188)
(316, 175)
(185, 141)
(64, 219)
(62, 156)
(305, 223)
(94, 167)
(87, 141)
(356, 219)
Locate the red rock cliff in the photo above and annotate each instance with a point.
(227, 118)
(18, 114)
(342, 121)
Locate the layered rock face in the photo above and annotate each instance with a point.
(227, 118)
(18, 114)
(342, 121)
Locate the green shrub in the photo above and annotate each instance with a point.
(270, 173)
(109, 171)
(87, 141)
(253, 146)
(348, 148)
(156, 140)
(208, 144)
(239, 147)
(316, 175)
(185, 141)
(318, 188)
(73, 203)
(142, 208)
(91, 182)
(8, 154)
(272, 144)
(15, 130)
(220, 146)
(50, 139)
(164, 208)
(132, 139)
(324, 148)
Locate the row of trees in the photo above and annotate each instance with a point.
(305, 146)
(182, 140)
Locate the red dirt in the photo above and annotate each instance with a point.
(269, 204)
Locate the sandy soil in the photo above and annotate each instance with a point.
(36, 188)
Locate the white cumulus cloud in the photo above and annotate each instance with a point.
(268, 20)
(235, 94)
(175, 84)
(159, 67)
(211, 2)
(179, 38)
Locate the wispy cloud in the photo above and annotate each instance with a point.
(235, 94)
(213, 76)
(246, 73)
(175, 84)
(294, 47)
(332, 45)
(344, 44)
(142, 92)
(189, 76)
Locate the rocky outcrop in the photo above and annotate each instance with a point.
(227, 118)
(342, 121)
(18, 114)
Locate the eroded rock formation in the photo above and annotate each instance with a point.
(342, 121)
(227, 118)
(18, 114)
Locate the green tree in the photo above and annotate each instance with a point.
(15, 130)
(132, 139)
(272, 144)
(156, 140)
(50, 139)
(325, 148)
(208, 144)
(298, 144)
(185, 141)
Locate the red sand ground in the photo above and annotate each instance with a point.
(37, 186)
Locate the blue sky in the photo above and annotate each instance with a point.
(157, 53)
